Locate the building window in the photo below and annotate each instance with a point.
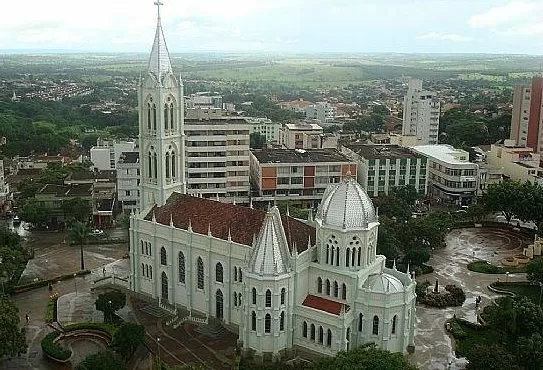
(304, 330)
(181, 267)
(336, 289)
(253, 321)
(283, 292)
(394, 319)
(163, 259)
(343, 291)
(240, 275)
(150, 272)
(268, 298)
(337, 256)
(329, 338)
(267, 323)
(360, 317)
(282, 321)
(143, 269)
(319, 285)
(235, 299)
(375, 330)
(239, 299)
(347, 257)
(235, 274)
(218, 273)
(327, 287)
(200, 272)
(312, 332)
(254, 295)
(142, 250)
(321, 335)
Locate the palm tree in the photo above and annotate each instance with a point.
(78, 233)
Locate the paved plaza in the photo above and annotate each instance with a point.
(188, 343)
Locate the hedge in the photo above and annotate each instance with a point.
(54, 350)
(110, 329)
(51, 312)
(41, 283)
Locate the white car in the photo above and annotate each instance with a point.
(97, 232)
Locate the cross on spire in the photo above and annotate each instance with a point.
(158, 4)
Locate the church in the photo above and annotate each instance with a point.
(282, 283)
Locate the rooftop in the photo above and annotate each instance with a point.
(443, 152)
(221, 120)
(324, 304)
(67, 190)
(369, 151)
(129, 157)
(303, 126)
(299, 155)
(93, 175)
(243, 223)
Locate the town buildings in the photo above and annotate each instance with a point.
(128, 181)
(106, 153)
(301, 135)
(527, 118)
(382, 167)
(516, 162)
(297, 175)
(281, 283)
(322, 112)
(451, 176)
(265, 127)
(421, 114)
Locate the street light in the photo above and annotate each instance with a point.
(110, 314)
(158, 346)
(75, 283)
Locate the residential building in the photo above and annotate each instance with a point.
(516, 162)
(105, 154)
(452, 177)
(265, 127)
(128, 181)
(421, 114)
(280, 283)
(297, 175)
(383, 167)
(527, 118)
(54, 196)
(301, 136)
(203, 100)
(321, 112)
(217, 157)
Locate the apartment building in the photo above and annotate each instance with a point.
(297, 175)
(321, 111)
(526, 118)
(452, 177)
(105, 154)
(301, 136)
(421, 114)
(128, 181)
(516, 162)
(217, 156)
(265, 127)
(383, 167)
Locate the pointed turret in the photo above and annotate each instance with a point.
(159, 61)
(270, 255)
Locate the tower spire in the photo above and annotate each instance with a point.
(159, 61)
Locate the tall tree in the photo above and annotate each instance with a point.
(103, 360)
(78, 234)
(34, 212)
(503, 198)
(13, 338)
(110, 302)
(127, 339)
(77, 209)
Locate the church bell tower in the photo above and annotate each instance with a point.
(161, 126)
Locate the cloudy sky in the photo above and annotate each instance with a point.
(405, 26)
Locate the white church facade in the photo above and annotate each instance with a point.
(282, 283)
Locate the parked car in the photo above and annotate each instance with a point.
(97, 232)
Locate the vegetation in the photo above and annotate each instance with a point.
(103, 360)
(486, 267)
(52, 349)
(127, 339)
(523, 289)
(534, 269)
(110, 302)
(453, 296)
(51, 311)
(78, 234)
(257, 141)
(13, 256)
(13, 338)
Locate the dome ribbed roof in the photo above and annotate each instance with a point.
(346, 205)
(384, 283)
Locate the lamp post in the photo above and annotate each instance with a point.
(158, 350)
(75, 283)
(507, 276)
(109, 313)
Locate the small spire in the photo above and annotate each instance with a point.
(310, 214)
(209, 230)
(251, 203)
(189, 228)
(254, 240)
(234, 201)
(288, 210)
(376, 212)
(217, 198)
(388, 286)
(229, 235)
(394, 264)
(154, 217)
(309, 242)
(171, 219)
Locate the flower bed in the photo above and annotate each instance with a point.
(53, 350)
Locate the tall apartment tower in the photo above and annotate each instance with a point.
(421, 114)
(527, 120)
(161, 126)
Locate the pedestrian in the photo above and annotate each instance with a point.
(104, 271)
(50, 286)
(27, 318)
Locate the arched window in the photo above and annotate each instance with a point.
(150, 250)
(359, 254)
(332, 255)
(347, 256)
(235, 299)
(394, 319)
(173, 164)
(235, 273)
(240, 275)
(353, 257)
(166, 116)
(219, 304)
(150, 272)
(321, 335)
(167, 165)
(337, 256)
(329, 338)
(147, 270)
(360, 317)
(283, 293)
(181, 267)
(163, 257)
(375, 329)
(319, 285)
(172, 117)
(312, 332)
(343, 291)
(154, 117)
(143, 269)
(200, 272)
(254, 295)
(142, 250)
(304, 330)
(149, 108)
(327, 253)
(267, 323)
(155, 166)
(268, 298)
(327, 287)
(218, 273)
(164, 283)
(336, 289)
(282, 321)
(150, 164)
(239, 299)
(253, 321)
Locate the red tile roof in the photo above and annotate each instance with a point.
(323, 304)
(244, 222)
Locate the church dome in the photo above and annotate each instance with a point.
(383, 283)
(346, 205)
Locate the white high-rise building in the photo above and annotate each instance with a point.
(421, 114)
(161, 121)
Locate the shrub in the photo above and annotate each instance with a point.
(54, 350)
(457, 294)
(107, 328)
(127, 338)
(453, 296)
(51, 313)
(105, 360)
(457, 331)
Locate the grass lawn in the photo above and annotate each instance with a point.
(531, 291)
(486, 267)
(467, 335)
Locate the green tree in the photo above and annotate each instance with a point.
(257, 140)
(77, 209)
(13, 338)
(127, 339)
(103, 360)
(477, 212)
(503, 198)
(78, 234)
(368, 356)
(34, 211)
(530, 352)
(534, 270)
(13, 257)
(491, 357)
(110, 302)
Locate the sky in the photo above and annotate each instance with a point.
(295, 26)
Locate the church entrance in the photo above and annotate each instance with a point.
(164, 286)
(219, 305)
